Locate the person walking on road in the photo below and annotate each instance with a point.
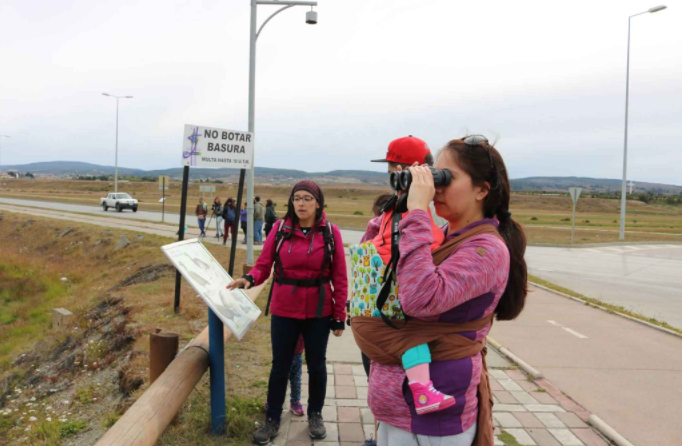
(216, 210)
(258, 221)
(309, 294)
(451, 295)
(271, 217)
(229, 219)
(201, 212)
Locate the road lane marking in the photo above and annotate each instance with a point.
(615, 249)
(633, 248)
(593, 250)
(569, 330)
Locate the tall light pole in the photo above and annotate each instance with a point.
(623, 200)
(2, 136)
(311, 19)
(116, 150)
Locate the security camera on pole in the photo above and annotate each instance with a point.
(574, 194)
(311, 19)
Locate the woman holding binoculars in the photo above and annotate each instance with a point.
(449, 295)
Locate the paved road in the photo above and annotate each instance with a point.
(646, 279)
(628, 374)
(129, 216)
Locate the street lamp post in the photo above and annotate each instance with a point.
(623, 199)
(116, 150)
(311, 19)
(2, 136)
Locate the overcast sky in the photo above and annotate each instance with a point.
(547, 77)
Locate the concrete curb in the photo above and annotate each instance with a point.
(608, 431)
(576, 299)
(536, 374)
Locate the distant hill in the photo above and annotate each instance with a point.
(550, 184)
(68, 169)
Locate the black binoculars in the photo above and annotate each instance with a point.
(402, 180)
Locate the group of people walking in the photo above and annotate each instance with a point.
(422, 300)
(223, 215)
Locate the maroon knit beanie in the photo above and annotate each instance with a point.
(308, 186)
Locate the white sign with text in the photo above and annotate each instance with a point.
(217, 148)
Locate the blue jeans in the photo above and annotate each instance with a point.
(296, 379)
(258, 234)
(219, 227)
(201, 225)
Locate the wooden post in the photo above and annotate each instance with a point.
(163, 350)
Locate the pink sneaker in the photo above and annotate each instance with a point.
(427, 399)
(297, 409)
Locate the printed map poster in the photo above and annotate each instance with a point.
(209, 279)
(217, 148)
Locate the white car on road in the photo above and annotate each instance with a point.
(119, 201)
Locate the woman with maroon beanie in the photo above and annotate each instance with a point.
(308, 298)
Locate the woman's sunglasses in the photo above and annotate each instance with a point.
(476, 140)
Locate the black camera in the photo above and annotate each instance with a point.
(401, 180)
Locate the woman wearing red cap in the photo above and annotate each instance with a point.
(308, 298)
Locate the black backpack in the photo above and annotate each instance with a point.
(285, 233)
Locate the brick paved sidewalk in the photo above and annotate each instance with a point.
(525, 412)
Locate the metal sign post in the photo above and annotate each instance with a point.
(181, 233)
(163, 181)
(215, 148)
(574, 194)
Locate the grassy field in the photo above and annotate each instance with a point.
(547, 219)
(77, 382)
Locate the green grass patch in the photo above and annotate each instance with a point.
(52, 433)
(84, 396)
(508, 439)
(27, 297)
(609, 307)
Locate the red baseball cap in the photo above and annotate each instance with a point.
(406, 150)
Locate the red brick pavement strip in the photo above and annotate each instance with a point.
(542, 437)
(343, 369)
(589, 437)
(571, 420)
(565, 402)
(351, 432)
(344, 380)
(528, 420)
(517, 375)
(504, 397)
(349, 415)
(345, 392)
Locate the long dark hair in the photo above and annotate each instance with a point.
(484, 164)
(230, 203)
(292, 215)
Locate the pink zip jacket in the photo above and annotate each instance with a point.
(465, 287)
(303, 260)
